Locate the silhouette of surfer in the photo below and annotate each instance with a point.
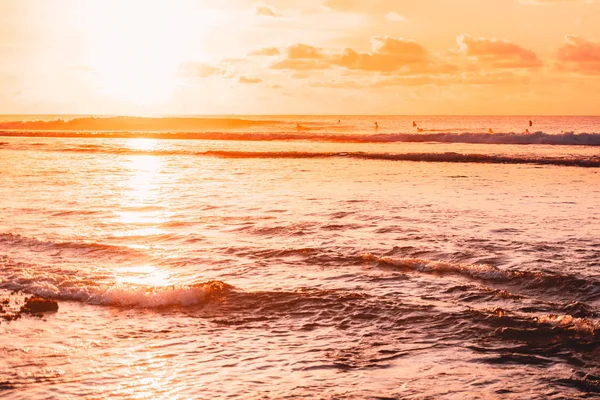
(526, 130)
(490, 131)
(530, 123)
(414, 124)
(297, 126)
(338, 121)
(376, 126)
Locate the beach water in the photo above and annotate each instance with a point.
(298, 257)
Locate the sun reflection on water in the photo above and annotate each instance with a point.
(142, 144)
(146, 275)
(142, 209)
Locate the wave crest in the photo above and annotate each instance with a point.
(559, 284)
(217, 129)
(447, 157)
(136, 124)
(101, 287)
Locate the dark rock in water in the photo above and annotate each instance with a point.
(34, 305)
(10, 316)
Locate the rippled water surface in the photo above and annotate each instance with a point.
(299, 269)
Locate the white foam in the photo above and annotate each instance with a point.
(584, 325)
(102, 288)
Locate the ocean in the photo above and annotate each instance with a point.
(268, 257)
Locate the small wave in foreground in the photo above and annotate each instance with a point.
(447, 157)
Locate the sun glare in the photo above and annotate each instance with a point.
(135, 47)
(145, 144)
(147, 275)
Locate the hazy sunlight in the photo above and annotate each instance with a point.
(136, 47)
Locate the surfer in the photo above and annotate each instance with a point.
(490, 131)
(338, 121)
(297, 126)
(414, 124)
(526, 130)
(419, 130)
(530, 123)
(376, 126)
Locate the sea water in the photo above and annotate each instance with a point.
(301, 257)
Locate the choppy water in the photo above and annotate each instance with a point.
(311, 267)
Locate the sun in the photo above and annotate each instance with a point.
(135, 47)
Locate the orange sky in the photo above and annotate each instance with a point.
(300, 56)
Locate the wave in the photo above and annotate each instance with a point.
(447, 157)
(120, 295)
(14, 240)
(514, 325)
(137, 124)
(451, 157)
(191, 128)
(101, 287)
(583, 325)
(556, 283)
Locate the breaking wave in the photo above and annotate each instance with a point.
(132, 124)
(101, 287)
(550, 283)
(216, 129)
(447, 157)
(451, 157)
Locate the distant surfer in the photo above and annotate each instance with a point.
(490, 131)
(530, 123)
(376, 126)
(297, 126)
(338, 121)
(419, 129)
(414, 124)
(526, 130)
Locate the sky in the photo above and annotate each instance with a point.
(193, 57)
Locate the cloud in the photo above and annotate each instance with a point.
(303, 57)
(304, 51)
(395, 17)
(191, 69)
(389, 55)
(264, 10)
(245, 79)
(497, 53)
(266, 51)
(408, 81)
(340, 84)
(300, 64)
(578, 54)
